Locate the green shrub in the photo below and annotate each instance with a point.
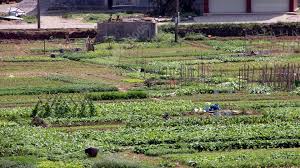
(195, 37)
(60, 107)
(297, 83)
(225, 30)
(117, 95)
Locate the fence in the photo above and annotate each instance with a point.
(278, 76)
(273, 45)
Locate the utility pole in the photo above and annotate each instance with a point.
(177, 20)
(38, 14)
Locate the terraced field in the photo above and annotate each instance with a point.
(130, 100)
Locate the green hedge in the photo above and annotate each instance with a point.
(117, 95)
(225, 30)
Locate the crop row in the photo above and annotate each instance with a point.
(149, 113)
(240, 158)
(24, 140)
(73, 88)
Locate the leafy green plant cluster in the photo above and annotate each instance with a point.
(297, 91)
(77, 56)
(234, 46)
(260, 89)
(193, 89)
(195, 37)
(61, 107)
(117, 95)
(202, 89)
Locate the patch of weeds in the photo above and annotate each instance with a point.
(195, 37)
(133, 80)
(9, 164)
(118, 163)
(29, 19)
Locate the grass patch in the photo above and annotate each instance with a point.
(100, 17)
(29, 19)
(51, 84)
(31, 59)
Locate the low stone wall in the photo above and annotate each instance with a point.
(45, 34)
(136, 30)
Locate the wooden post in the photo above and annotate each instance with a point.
(248, 73)
(239, 78)
(275, 78)
(253, 73)
(177, 21)
(293, 77)
(270, 76)
(262, 75)
(199, 71)
(288, 77)
(38, 14)
(44, 47)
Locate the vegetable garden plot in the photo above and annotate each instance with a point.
(23, 48)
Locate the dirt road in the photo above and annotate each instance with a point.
(47, 21)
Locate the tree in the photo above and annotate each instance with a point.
(168, 7)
